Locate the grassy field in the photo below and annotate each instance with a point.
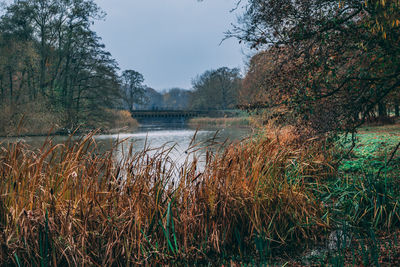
(374, 147)
(258, 201)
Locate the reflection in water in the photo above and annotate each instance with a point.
(180, 140)
(177, 137)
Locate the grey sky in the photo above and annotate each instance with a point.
(169, 41)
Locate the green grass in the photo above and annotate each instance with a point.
(363, 199)
(374, 147)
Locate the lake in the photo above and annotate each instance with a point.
(179, 137)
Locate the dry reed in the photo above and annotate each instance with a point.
(68, 204)
(220, 122)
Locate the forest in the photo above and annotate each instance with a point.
(57, 76)
(53, 65)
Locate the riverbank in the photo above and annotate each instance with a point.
(40, 123)
(257, 201)
(219, 122)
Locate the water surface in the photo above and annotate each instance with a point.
(178, 137)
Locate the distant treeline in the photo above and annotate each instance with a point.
(172, 99)
(213, 90)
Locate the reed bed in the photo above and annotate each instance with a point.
(266, 196)
(68, 204)
(220, 122)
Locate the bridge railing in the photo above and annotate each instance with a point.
(185, 113)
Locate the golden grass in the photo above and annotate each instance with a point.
(68, 204)
(220, 122)
(122, 121)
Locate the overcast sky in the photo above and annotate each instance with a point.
(169, 41)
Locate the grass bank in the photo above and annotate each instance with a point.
(119, 121)
(259, 200)
(39, 121)
(363, 202)
(219, 122)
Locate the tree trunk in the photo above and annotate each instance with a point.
(2, 88)
(382, 111)
(21, 86)
(43, 59)
(65, 99)
(11, 86)
(31, 89)
(356, 116)
(396, 109)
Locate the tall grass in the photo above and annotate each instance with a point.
(119, 121)
(68, 204)
(220, 122)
